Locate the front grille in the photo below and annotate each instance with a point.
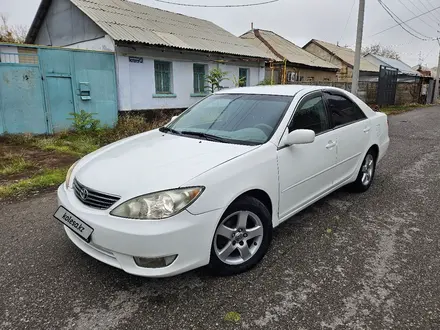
(93, 198)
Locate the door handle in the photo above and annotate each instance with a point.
(367, 129)
(330, 144)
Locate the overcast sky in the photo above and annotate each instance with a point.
(302, 20)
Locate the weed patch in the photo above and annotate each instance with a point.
(44, 179)
(13, 164)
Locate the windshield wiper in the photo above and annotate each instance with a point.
(165, 129)
(206, 136)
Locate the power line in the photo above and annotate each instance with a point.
(348, 19)
(411, 11)
(434, 18)
(397, 19)
(217, 6)
(406, 21)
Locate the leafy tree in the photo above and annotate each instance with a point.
(11, 33)
(378, 49)
(214, 79)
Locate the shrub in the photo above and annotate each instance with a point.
(84, 121)
(128, 125)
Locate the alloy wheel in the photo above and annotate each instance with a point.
(238, 237)
(367, 170)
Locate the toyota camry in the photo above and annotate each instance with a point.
(209, 187)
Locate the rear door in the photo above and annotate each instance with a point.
(306, 171)
(353, 130)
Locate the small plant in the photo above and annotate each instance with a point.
(84, 121)
(239, 82)
(214, 79)
(266, 81)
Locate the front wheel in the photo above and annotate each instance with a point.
(242, 237)
(366, 173)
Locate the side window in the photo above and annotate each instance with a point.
(311, 114)
(343, 110)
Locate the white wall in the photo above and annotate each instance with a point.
(136, 84)
(9, 58)
(104, 44)
(64, 24)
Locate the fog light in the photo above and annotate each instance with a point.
(154, 262)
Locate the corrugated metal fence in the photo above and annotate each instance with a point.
(407, 92)
(40, 86)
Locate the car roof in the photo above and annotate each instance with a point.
(288, 90)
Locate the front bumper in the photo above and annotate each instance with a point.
(115, 241)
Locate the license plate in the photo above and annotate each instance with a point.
(70, 220)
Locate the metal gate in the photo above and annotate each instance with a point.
(40, 88)
(386, 88)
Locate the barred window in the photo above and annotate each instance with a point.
(162, 74)
(199, 78)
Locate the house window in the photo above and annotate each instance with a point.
(243, 76)
(162, 75)
(199, 78)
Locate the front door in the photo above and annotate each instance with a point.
(306, 171)
(60, 102)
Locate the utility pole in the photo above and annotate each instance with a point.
(436, 86)
(357, 54)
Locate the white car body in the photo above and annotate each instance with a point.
(291, 178)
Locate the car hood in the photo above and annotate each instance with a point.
(152, 161)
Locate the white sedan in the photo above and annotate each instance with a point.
(209, 187)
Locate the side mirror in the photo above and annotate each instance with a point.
(300, 136)
(172, 119)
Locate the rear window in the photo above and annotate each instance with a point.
(343, 110)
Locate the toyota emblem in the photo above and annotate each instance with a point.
(83, 193)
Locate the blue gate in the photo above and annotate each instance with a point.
(22, 107)
(39, 89)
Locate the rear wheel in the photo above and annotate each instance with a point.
(242, 237)
(366, 173)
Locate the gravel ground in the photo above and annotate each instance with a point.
(351, 261)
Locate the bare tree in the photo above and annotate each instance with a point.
(11, 33)
(378, 49)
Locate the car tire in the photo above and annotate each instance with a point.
(235, 247)
(366, 173)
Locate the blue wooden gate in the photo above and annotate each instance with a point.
(39, 95)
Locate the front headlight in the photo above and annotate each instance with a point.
(69, 174)
(159, 205)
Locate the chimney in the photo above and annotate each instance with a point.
(252, 26)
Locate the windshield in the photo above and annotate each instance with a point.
(234, 118)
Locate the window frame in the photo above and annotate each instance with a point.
(331, 92)
(302, 101)
(247, 76)
(202, 91)
(170, 82)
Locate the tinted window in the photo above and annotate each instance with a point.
(240, 117)
(311, 114)
(343, 111)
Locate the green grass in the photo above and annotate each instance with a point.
(74, 144)
(14, 164)
(396, 109)
(44, 179)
